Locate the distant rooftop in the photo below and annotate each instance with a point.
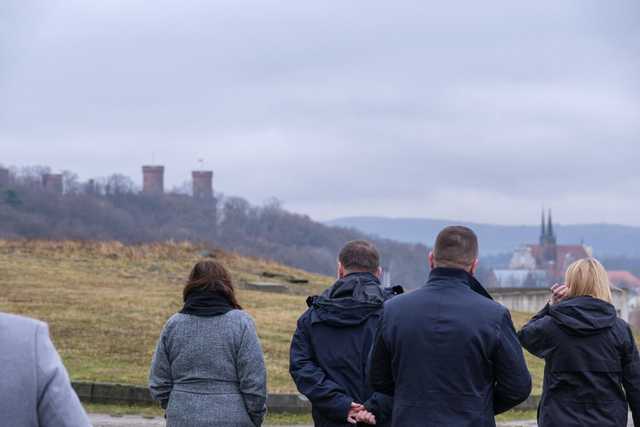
(624, 279)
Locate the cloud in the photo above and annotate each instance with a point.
(479, 112)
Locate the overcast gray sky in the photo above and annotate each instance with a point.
(478, 111)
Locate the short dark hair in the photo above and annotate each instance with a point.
(359, 255)
(456, 246)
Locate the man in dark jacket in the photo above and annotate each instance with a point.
(447, 352)
(332, 342)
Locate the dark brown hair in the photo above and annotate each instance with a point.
(359, 255)
(211, 276)
(456, 246)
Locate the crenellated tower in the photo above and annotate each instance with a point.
(153, 180)
(202, 184)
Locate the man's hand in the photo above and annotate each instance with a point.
(366, 417)
(356, 408)
(359, 414)
(558, 293)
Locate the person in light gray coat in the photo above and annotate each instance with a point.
(208, 368)
(34, 385)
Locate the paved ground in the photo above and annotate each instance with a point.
(126, 421)
(132, 421)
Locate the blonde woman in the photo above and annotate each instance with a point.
(592, 365)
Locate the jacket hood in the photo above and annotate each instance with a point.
(350, 301)
(584, 315)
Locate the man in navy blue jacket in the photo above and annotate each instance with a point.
(447, 353)
(332, 343)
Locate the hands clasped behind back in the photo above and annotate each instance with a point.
(359, 414)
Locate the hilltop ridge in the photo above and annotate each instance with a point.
(117, 211)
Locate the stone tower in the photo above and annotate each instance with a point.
(153, 180)
(4, 177)
(202, 184)
(52, 182)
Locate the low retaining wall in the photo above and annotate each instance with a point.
(112, 393)
(137, 395)
(521, 299)
(531, 300)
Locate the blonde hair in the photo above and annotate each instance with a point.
(587, 277)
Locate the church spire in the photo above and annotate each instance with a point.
(548, 240)
(543, 230)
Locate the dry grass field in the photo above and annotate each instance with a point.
(106, 303)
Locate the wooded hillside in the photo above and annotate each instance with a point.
(112, 209)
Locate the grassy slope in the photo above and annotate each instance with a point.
(106, 303)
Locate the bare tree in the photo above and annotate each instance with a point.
(31, 176)
(71, 182)
(186, 188)
(118, 184)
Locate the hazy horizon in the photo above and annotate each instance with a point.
(464, 221)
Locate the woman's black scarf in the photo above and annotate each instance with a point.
(205, 303)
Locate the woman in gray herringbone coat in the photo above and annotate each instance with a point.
(208, 368)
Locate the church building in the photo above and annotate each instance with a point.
(541, 264)
(533, 268)
(548, 255)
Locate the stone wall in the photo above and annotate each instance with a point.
(531, 300)
(53, 182)
(138, 395)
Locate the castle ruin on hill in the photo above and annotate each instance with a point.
(152, 182)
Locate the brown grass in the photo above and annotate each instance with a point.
(106, 303)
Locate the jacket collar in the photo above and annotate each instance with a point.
(457, 275)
